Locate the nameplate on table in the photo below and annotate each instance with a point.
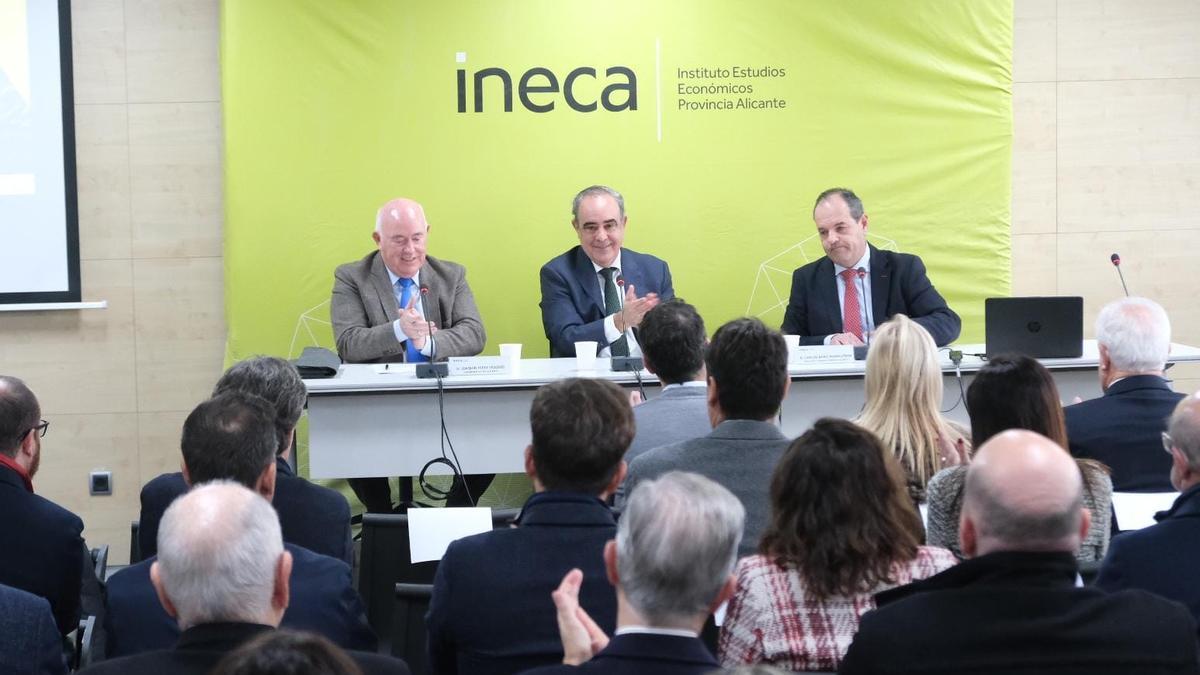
(821, 354)
(478, 365)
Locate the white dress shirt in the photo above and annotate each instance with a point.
(420, 307)
(610, 324)
(865, 314)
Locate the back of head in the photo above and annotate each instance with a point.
(840, 513)
(903, 393)
(581, 430)
(1136, 333)
(748, 363)
(1014, 391)
(19, 413)
(672, 339)
(1184, 429)
(677, 543)
(285, 652)
(1023, 492)
(231, 436)
(218, 549)
(275, 380)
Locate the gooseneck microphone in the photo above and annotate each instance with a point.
(1116, 261)
(432, 344)
(866, 305)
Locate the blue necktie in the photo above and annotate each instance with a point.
(407, 290)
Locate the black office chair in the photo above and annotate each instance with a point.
(83, 643)
(385, 560)
(408, 637)
(135, 548)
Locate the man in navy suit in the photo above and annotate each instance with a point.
(29, 641)
(41, 543)
(1161, 558)
(491, 611)
(1123, 427)
(582, 295)
(224, 575)
(233, 437)
(312, 516)
(672, 563)
(840, 298)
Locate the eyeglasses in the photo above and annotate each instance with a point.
(41, 429)
(1167, 442)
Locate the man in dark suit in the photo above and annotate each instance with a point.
(581, 428)
(590, 293)
(1159, 558)
(747, 381)
(400, 304)
(673, 340)
(223, 573)
(672, 563)
(312, 516)
(233, 437)
(1013, 606)
(840, 298)
(1123, 427)
(30, 643)
(41, 543)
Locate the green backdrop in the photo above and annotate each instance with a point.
(331, 108)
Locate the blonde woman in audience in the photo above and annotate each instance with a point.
(842, 529)
(1013, 391)
(904, 395)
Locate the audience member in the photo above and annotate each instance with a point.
(30, 643)
(232, 436)
(1159, 558)
(312, 516)
(1016, 392)
(42, 543)
(747, 381)
(285, 652)
(1014, 605)
(672, 337)
(904, 397)
(581, 429)
(671, 563)
(842, 529)
(1122, 427)
(223, 572)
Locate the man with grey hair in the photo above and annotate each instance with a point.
(400, 304)
(672, 564)
(1122, 427)
(599, 291)
(1160, 558)
(1014, 605)
(233, 436)
(312, 516)
(223, 573)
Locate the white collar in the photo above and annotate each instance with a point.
(689, 383)
(864, 262)
(647, 630)
(416, 277)
(615, 263)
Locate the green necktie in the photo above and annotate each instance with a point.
(612, 305)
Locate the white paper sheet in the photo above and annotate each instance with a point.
(1136, 510)
(430, 531)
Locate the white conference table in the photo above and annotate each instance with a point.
(369, 422)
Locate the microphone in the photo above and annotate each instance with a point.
(431, 369)
(432, 344)
(1116, 261)
(862, 294)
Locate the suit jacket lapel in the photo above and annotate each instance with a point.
(828, 294)
(433, 281)
(383, 289)
(585, 275)
(881, 284)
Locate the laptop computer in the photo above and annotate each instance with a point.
(1041, 327)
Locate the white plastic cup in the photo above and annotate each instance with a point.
(585, 355)
(511, 353)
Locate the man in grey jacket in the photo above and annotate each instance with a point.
(747, 381)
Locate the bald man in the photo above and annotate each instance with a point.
(380, 314)
(1014, 606)
(1161, 558)
(378, 311)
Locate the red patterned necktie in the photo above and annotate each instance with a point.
(851, 320)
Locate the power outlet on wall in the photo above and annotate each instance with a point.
(100, 483)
